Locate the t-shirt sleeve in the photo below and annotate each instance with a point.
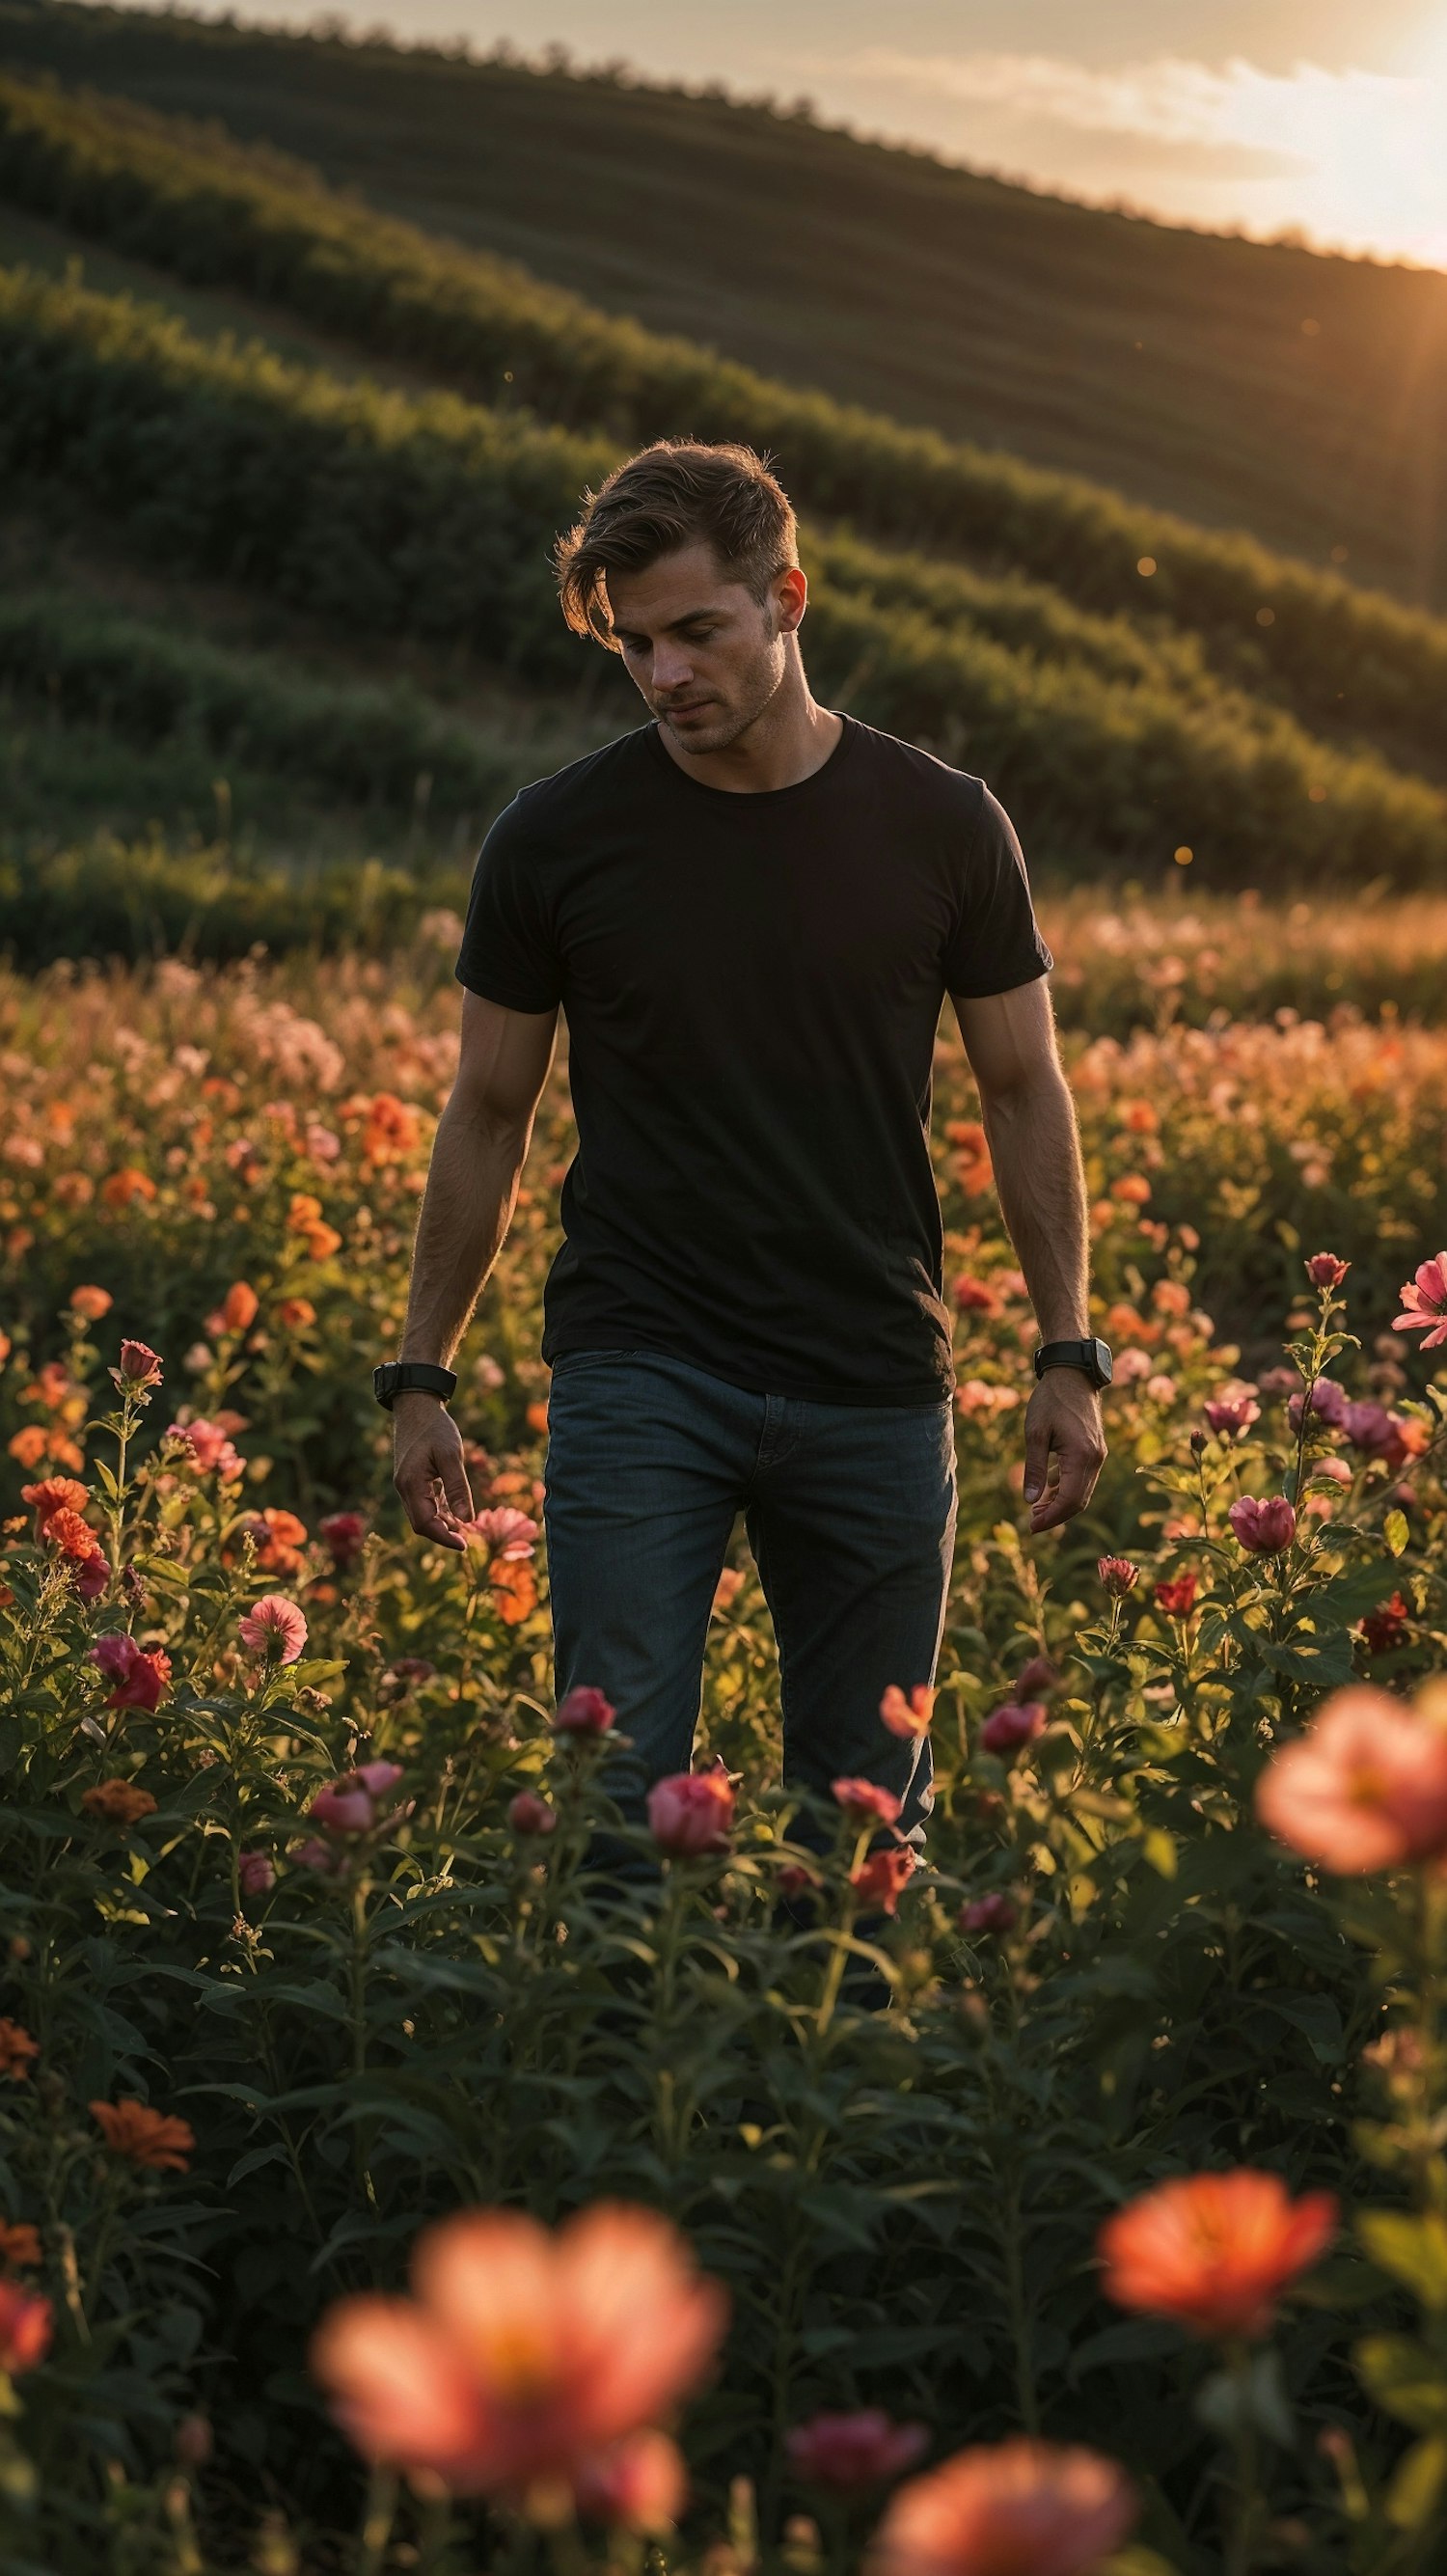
(996, 942)
(508, 953)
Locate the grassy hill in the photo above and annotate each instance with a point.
(1168, 366)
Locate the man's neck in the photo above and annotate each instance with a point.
(783, 746)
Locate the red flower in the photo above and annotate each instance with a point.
(1386, 1626)
(863, 1798)
(26, 2324)
(530, 1814)
(17, 2048)
(1264, 1525)
(1007, 1728)
(1214, 2251)
(74, 1537)
(1324, 1270)
(344, 1533)
(583, 1712)
(1177, 1598)
(851, 2453)
(1117, 1576)
(139, 1368)
(137, 1679)
(692, 1812)
(882, 1879)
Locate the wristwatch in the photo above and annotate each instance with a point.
(399, 1377)
(1091, 1358)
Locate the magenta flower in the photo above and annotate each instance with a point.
(1007, 1728)
(137, 1679)
(275, 1629)
(691, 1812)
(995, 1913)
(583, 1712)
(863, 1798)
(1037, 1676)
(255, 1875)
(530, 1814)
(1324, 1270)
(1424, 1299)
(343, 1533)
(90, 1575)
(1117, 1576)
(1263, 1526)
(1328, 1401)
(851, 2453)
(350, 1805)
(1230, 1415)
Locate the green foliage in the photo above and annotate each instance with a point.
(429, 516)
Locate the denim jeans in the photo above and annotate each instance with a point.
(850, 1512)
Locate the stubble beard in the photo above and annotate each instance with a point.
(734, 719)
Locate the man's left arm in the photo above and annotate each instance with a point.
(1029, 1120)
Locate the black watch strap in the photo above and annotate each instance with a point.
(1092, 1358)
(401, 1377)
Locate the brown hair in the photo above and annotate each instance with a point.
(676, 493)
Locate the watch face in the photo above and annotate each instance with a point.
(1105, 1366)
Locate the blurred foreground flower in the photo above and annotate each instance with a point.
(994, 1913)
(691, 1812)
(908, 1713)
(1424, 1299)
(852, 2453)
(882, 1879)
(255, 1874)
(861, 1799)
(1020, 2508)
(25, 2328)
(583, 1712)
(275, 1629)
(1007, 1728)
(145, 2137)
(1214, 2251)
(530, 1814)
(640, 2485)
(523, 2356)
(17, 2049)
(1365, 1787)
(350, 1805)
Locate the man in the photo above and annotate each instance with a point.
(750, 910)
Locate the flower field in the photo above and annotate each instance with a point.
(381, 2188)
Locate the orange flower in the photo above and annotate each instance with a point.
(295, 1313)
(20, 2249)
(1132, 1189)
(1364, 1788)
(54, 1494)
(391, 1130)
(239, 1307)
(1018, 2508)
(74, 1537)
(30, 1445)
(17, 2048)
(119, 1802)
(514, 1587)
(522, 2355)
(278, 1538)
(119, 1188)
(1214, 2251)
(145, 2137)
(92, 1303)
(25, 2328)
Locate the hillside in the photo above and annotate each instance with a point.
(1169, 366)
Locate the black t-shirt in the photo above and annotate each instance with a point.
(752, 986)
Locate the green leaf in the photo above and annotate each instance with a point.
(1405, 2380)
(1413, 2250)
(1395, 1531)
(1416, 2486)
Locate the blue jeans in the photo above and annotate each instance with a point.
(850, 1513)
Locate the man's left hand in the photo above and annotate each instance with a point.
(1064, 1447)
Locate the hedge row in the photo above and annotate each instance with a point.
(212, 213)
(431, 516)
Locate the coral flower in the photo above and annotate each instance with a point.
(882, 1879)
(139, 1368)
(91, 1303)
(26, 2323)
(17, 2048)
(583, 1712)
(1018, 2508)
(137, 1679)
(1263, 1524)
(211, 1449)
(275, 1628)
(239, 1307)
(908, 1713)
(503, 1532)
(692, 1812)
(1364, 1788)
(640, 2485)
(1007, 1728)
(343, 1533)
(522, 2355)
(145, 2137)
(861, 1799)
(119, 1801)
(74, 1537)
(1176, 1598)
(852, 2453)
(1117, 1576)
(529, 1814)
(1214, 2251)
(277, 1537)
(54, 1494)
(20, 2247)
(1424, 1299)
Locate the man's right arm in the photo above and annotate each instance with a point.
(477, 1160)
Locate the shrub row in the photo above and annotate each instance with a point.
(199, 205)
(432, 516)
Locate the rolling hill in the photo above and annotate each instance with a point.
(1172, 367)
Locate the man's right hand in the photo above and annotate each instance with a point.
(428, 1469)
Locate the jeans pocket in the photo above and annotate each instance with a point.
(568, 1363)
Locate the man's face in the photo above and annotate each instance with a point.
(706, 654)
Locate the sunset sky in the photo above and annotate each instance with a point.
(1329, 115)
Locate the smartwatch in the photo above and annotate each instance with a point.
(1091, 1358)
(400, 1377)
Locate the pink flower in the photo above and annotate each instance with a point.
(1324, 1398)
(692, 1812)
(255, 1875)
(1007, 1728)
(530, 1814)
(1425, 1301)
(212, 1451)
(503, 1532)
(640, 2485)
(1035, 1677)
(90, 1575)
(137, 1679)
(139, 1368)
(1017, 2508)
(274, 1629)
(1392, 1437)
(583, 1712)
(1325, 1271)
(1264, 1526)
(861, 1798)
(343, 1533)
(1230, 1415)
(995, 1913)
(322, 1857)
(910, 1714)
(1214, 2251)
(1117, 1576)
(349, 1805)
(1365, 1787)
(851, 2453)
